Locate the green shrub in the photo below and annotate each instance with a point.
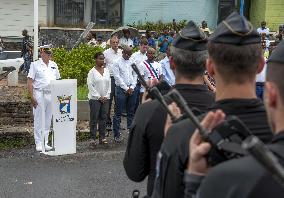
(82, 92)
(159, 26)
(76, 64)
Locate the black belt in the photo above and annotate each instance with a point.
(259, 83)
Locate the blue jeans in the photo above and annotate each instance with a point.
(122, 100)
(259, 90)
(27, 61)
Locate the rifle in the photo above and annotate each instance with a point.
(84, 34)
(226, 138)
(265, 157)
(154, 92)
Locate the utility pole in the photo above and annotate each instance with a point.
(35, 54)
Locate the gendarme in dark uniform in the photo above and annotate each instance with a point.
(174, 151)
(147, 133)
(246, 178)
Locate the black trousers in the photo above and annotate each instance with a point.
(98, 115)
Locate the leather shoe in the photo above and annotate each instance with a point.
(38, 148)
(48, 148)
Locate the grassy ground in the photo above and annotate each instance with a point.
(15, 143)
(82, 93)
(20, 142)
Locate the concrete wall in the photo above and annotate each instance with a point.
(16, 15)
(274, 15)
(257, 12)
(83, 113)
(271, 11)
(167, 10)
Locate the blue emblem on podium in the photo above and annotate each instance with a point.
(64, 104)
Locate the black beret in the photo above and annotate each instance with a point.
(277, 54)
(235, 30)
(191, 38)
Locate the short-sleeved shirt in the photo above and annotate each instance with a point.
(265, 30)
(42, 74)
(165, 45)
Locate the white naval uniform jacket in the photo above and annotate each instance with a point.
(42, 74)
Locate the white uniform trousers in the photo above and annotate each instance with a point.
(37, 116)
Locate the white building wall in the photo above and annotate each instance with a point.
(16, 15)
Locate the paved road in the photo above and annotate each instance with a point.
(89, 173)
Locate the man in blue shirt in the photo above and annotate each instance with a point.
(151, 41)
(164, 41)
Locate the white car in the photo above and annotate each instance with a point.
(11, 59)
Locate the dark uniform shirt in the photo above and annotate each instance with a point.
(244, 178)
(147, 134)
(174, 151)
(26, 45)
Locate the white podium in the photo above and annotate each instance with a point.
(64, 119)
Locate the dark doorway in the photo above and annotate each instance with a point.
(225, 8)
(107, 12)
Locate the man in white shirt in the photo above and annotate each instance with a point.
(91, 39)
(40, 74)
(125, 91)
(126, 40)
(260, 80)
(263, 29)
(167, 72)
(138, 58)
(111, 55)
(264, 32)
(100, 42)
(150, 69)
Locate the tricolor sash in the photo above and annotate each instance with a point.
(151, 70)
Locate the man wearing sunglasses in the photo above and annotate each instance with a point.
(40, 74)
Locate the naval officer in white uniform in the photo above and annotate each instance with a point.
(40, 74)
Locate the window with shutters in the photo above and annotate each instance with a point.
(69, 12)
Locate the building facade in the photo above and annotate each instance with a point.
(16, 15)
(167, 10)
(271, 11)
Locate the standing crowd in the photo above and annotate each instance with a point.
(126, 93)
